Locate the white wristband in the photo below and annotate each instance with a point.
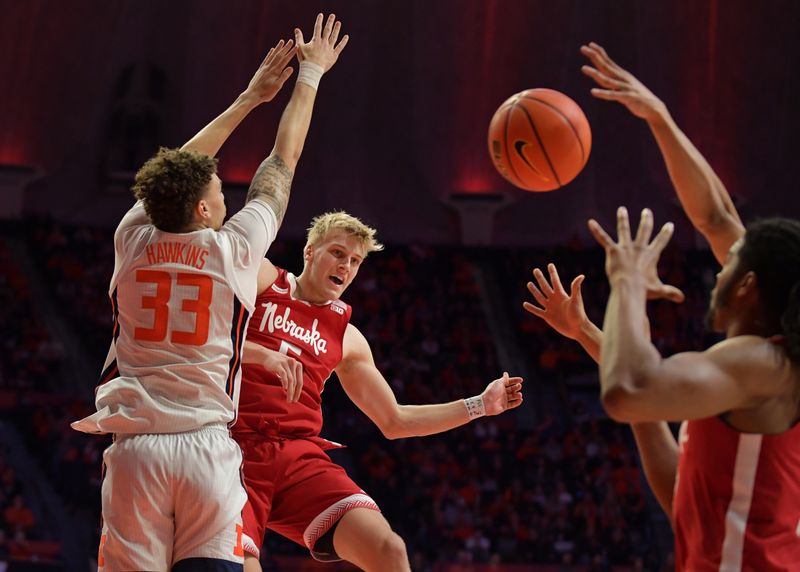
(310, 73)
(475, 407)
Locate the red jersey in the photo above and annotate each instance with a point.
(737, 499)
(310, 333)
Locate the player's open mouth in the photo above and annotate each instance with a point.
(336, 280)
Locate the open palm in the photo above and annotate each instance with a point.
(563, 312)
(322, 49)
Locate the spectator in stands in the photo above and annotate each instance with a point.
(18, 516)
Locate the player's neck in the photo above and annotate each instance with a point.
(302, 292)
(193, 226)
(748, 323)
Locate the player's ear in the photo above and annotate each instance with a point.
(201, 209)
(747, 284)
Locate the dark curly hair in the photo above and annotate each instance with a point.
(771, 249)
(170, 184)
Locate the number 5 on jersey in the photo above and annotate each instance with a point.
(159, 303)
(286, 347)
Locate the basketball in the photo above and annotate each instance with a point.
(539, 139)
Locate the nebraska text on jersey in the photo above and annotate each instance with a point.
(284, 323)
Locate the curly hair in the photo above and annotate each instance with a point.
(170, 184)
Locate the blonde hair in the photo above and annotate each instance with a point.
(339, 220)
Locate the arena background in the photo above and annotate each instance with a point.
(91, 88)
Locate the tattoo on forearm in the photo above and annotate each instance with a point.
(272, 184)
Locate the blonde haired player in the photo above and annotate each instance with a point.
(183, 289)
(300, 333)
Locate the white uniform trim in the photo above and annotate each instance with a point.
(328, 517)
(744, 478)
(249, 546)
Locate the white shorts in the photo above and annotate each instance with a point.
(168, 497)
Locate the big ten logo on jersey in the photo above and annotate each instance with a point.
(273, 321)
(337, 307)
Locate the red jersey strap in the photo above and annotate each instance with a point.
(281, 284)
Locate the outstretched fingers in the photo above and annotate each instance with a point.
(545, 287)
(662, 238)
(622, 97)
(623, 226)
(537, 294)
(604, 80)
(317, 27)
(601, 51)
(338, 49)
(600, 235)
(604, 59)
(645, 230)
(337, 27)
(555, 279)
(268, 58)
(299, 40)
(284, 55)
(575, 287)
(535, 310)
(328, 30)
(597, 60)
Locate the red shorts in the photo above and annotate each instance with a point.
(295, 489)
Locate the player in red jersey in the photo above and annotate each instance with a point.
(300, 333)
(730, 483)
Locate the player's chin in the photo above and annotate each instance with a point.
(336, 290)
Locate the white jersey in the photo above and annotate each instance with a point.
(181, 306)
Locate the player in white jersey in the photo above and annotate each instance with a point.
(183, 288)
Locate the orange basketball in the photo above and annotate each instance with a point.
(539, 139)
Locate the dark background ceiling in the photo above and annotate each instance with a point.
(89, 88)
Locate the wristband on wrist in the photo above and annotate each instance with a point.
(475, 407)
(310, 74)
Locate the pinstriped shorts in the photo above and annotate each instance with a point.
(168, 497)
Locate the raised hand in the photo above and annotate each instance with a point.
(322, 48)
(288, 370)
(637, 258)
(564, 313)
(618, 84)
(272, 73)
(502, 394)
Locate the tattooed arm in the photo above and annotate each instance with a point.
(273, 180)
(272, 184)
